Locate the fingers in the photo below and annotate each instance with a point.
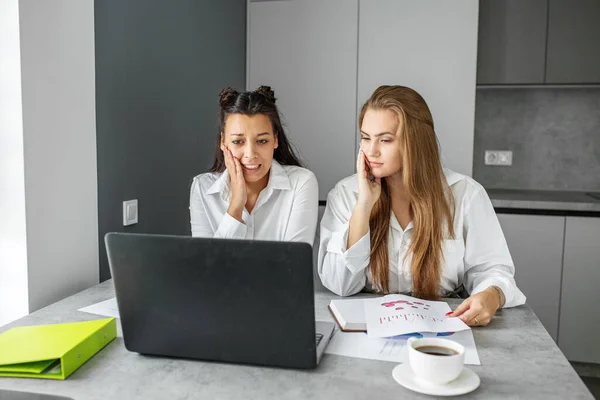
(472, 318)
(227, 158)
(483, 319)
(367, 168)
(368, 173)
(469, 317)
(360, 164)
(464, 306)
(476, 315)
(232, 163)
(238, 168)
(362, 168)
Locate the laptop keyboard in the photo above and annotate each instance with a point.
(318, 338)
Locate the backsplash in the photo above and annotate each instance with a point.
(554, 135)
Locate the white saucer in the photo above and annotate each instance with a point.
(466, 382)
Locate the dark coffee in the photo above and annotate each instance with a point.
(437, 350)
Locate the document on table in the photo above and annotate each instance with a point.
(107, 308)
(398, 314)
(359, 345)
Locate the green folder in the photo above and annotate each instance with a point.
(53, 351)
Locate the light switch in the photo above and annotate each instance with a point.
(130, 212)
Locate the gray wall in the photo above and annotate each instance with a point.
(554, 134)
(159, 68)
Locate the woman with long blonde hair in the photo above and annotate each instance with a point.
(405, 224)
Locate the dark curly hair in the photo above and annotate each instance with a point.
(259, 101)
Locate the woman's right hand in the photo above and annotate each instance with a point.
(239, 195)
(368, 191)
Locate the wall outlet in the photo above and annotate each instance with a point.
(498, 157)
(130, 212)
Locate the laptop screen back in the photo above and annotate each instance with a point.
(236, 301)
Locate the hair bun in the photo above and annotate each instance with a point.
(267, 92)
(227, 95)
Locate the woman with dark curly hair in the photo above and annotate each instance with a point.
(256, 188)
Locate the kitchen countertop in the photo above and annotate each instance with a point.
(545, 200)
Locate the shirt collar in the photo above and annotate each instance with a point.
(452, 177)
(220, 185)
(396, 225)
(278, 180)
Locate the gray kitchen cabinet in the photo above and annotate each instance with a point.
(535, 243)
(512, 42)
(579, 315)
(306, 51)
(573, 42)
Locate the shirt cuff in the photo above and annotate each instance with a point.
(357, 257)
(513, 296)
(231, 228)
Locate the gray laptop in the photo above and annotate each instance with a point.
(238, 301)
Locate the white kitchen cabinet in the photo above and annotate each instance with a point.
(535, 243)
(579, 316)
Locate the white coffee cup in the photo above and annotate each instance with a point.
(432, 368)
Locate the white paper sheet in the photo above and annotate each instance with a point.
(358, 345)
(106, 308)
(397, 314)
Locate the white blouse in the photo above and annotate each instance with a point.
(477, 257)
(286, 210)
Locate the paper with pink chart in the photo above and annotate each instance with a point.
(397, 314)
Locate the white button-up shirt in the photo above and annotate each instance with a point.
(477, 257)
(286, 210)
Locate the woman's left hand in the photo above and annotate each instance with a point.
(478, 309)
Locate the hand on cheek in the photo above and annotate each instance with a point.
(238, 185)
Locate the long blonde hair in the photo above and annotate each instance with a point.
(432, 202)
